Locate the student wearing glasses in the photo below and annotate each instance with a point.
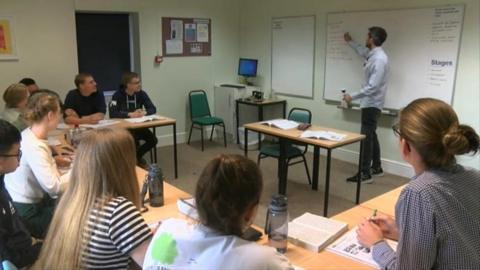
(37, 182)
(16, 243)
(437, 216)
(130, 101)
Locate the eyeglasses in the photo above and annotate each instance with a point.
(19, 155)
(135, 82)
(396, 130)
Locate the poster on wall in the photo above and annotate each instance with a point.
(8, 50)
(186, 37)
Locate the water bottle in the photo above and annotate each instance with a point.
(276, 225)
(155, 185)
(343, 103)
(74, 135)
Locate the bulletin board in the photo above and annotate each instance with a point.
(186, 37)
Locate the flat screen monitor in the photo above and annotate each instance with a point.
(247, 67)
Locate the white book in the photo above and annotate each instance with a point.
(314, 232)
(281, 123)
(348, 246)
(101, 123)
(325, 135)
(145, 118)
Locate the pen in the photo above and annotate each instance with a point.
(374, 213)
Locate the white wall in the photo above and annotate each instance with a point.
(168, 84)
(255, 41)
(46, 43)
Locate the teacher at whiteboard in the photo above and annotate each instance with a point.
(372, 97)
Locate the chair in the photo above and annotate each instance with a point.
(200, 115)
(292, 151)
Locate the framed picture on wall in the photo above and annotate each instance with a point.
(8, 48)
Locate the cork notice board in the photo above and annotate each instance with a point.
(186, 37)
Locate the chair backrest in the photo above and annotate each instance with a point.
(198, 104)
(300, 115)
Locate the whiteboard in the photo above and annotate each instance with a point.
(422, 47)
(293, 54)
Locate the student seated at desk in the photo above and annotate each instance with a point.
(227, 197)
(84, 105)
(97, 223)
(15, 97)
(438, 214)
(16, 243)
(132, 102)
(36, 183)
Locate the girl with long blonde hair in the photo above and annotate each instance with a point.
(97, 223)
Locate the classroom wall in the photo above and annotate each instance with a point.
(255, 42)
(46, 44)
(169, 83)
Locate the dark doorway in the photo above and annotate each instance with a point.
(103, 44)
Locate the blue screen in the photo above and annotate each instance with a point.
(247, 67)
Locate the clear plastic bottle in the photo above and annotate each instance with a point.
(343, 103)
(155, 185)
(276, 225)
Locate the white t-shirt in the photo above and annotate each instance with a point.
(178, 245)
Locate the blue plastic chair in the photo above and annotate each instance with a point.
(293, 151)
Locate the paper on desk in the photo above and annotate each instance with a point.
(144, 119)
(101, 123)
(54, 141)
(348, 246)
(281, 123)
(62, 126)
(325, 135)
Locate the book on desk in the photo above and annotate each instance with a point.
(314, 232)
(281, 124)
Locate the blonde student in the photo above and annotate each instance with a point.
(36, 183)
(15, 97)
(97, 223)
(227, 197)
(437, 216)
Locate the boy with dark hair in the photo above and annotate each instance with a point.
(16, 243)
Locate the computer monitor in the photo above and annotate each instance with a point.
(247, 67)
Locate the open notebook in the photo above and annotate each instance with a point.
(323, 135)
(348, 246)
(314, 232)
(281, 123)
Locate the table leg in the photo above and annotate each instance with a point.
(236, 117)
(175, 161)
(246, 142)
(357, 198)
(327, 183)
(282, 166)
(155, 148)
(260, 118)
(284, 109)
(316, 165)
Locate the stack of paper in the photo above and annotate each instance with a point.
(348, 246)
(101, 123)
(281, 123)
(325, 135)
(188, 208)
(314, 232)
(144, 119)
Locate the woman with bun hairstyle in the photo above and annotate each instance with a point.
(36, 183)
(437, 215)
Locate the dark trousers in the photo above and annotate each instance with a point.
(145, 135)
(37, 216)
(371, 147)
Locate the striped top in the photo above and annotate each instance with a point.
(114, 231)
(438, 220)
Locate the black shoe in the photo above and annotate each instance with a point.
(376, 171)
(365, 178)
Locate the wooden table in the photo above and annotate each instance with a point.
(260, 105)
(293, 136)
(165, 121)
(297, 255)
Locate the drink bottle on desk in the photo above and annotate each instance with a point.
(155, 185)
(276, 225)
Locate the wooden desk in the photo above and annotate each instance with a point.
(386, 202)
(293, 135)
(259, 105)
(297, 255)
(166, 121)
